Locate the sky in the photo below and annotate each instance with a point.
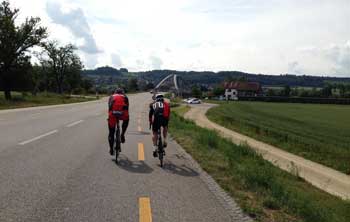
(269, 37)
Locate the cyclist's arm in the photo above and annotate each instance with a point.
(151, 112)
(110, 103)
(126, 101)
(168, 107)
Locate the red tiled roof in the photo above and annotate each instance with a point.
(243, 86)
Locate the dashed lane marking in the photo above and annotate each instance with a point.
(141, 152)
(145, 214)
(75, 123)
(38, 137)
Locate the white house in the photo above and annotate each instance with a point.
(234, 90)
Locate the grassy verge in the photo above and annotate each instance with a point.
(42, 99)
(320, 133)
(263, 191)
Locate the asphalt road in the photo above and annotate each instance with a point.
(55, 166)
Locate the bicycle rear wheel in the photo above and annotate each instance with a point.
(160, 152)
(117, 145)
(161, 158)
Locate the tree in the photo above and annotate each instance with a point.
(132, 84)
(15, 41)
(327, 90)
(196, 92)
(124, 70)
(342, 89)
(37, 78)
(87, 85)
(149, 86)
(218, 91)
(64, 65)
(286, 90)
(271, 92)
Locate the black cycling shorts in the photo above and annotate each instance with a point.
(159, 122)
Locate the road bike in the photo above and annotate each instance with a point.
(160, 147)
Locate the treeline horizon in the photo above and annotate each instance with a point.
(212, 78)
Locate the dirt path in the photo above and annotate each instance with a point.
(325, 178)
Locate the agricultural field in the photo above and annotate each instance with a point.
(264, 192)
(320, 133)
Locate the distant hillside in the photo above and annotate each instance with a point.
(212, 78)
(106, 70)
(108, 75)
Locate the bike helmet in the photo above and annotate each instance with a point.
(159, 97)
(119, 91)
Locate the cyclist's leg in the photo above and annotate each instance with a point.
(124, 128)
(155, 127)
(165, 131)
(111, 136)
(111, 128)
(155, 138)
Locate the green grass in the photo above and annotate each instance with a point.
(264, 191)
(181, 110)
(320, 133)
(27, 100)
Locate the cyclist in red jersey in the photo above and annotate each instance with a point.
(117, 102)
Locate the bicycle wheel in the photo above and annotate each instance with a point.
(161, 158)
(117, 145)
(160, 152)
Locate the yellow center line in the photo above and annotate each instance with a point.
(141, 152)
(145, 214)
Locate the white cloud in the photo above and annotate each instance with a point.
(116, 60)
(294, 68)
(252, 35)
(75, 21)
(156, 62)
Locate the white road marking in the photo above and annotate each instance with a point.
(75, 123)
(35, 115)
(38, 137)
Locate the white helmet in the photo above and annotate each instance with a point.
(159, 96)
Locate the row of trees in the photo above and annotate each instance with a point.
(335, 90)
(59, 69)
(330, 90)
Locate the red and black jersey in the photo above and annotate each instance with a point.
(118, 102)
(159, 109)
